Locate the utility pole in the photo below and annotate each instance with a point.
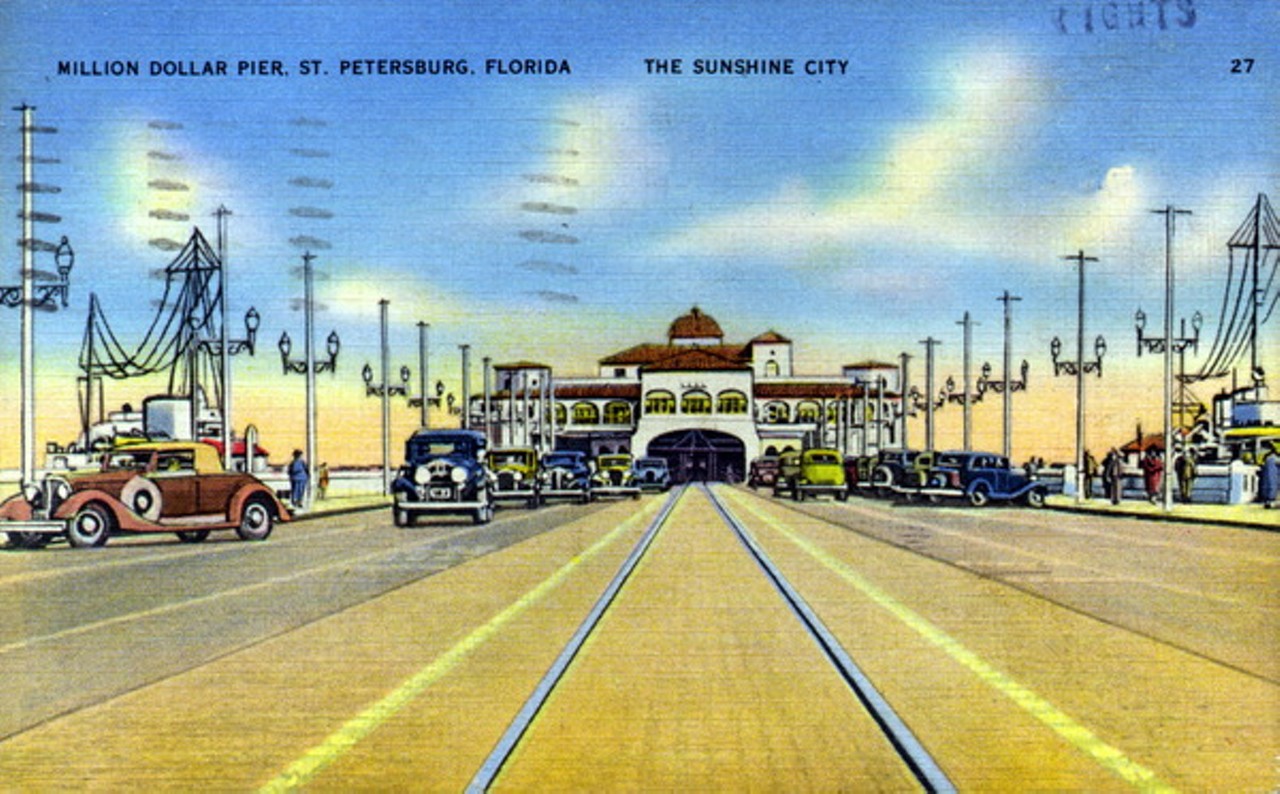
(488, 388)
(1079, 367)
(1008, 300)
(929, 344)
(466, 385)
(1170, 213)
(424, 382)
(967, 397)
(385, 347)
(904, 358)
(28, 355)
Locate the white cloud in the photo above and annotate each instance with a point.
(942, 183)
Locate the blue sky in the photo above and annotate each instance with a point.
(964, 151)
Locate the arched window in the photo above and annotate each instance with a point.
(660, 401)
(808, 411)
(585, 414)
(776, 413)
(561, 414)
(771, 369)
(731, 402)
(833, 413)
(695, 402)
(617, 413)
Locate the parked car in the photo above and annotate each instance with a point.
(821, 471)
(143, 487)
(615, 475)
(565, 474)
(784, 481)
(902, 471)
(981, 478)
(763, 472)
(653, 474)
(444, 473)
(515, 473)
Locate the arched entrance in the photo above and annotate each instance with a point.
(694, 455)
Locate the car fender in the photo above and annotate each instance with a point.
(124, 517)
(235, 509)
(15, 508)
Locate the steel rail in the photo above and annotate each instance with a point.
(904, 741)
(493, 763)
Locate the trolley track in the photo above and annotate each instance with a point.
(910, 751)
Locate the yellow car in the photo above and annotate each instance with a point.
(516, 473)
(817, 472)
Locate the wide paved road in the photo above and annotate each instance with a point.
(1023, 649)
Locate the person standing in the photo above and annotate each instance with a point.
(1186, 471)
(1269, 479)
(1152, 473)
(298, 477)
(1090, 473)
(322, 480)
(1113, 475)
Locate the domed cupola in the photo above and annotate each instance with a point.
(695, 328)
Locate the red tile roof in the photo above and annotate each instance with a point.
(695, 359)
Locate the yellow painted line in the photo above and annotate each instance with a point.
(362, 725)
(1061, 723)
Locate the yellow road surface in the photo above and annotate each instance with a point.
(700, 678)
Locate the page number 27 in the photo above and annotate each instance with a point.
(1241, 65)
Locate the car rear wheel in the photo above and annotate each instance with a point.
(91, 526)
(979, 496)
(256, 520)
(193, 536)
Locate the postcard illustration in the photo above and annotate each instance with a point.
(451, 295)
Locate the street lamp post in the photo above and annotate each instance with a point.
(466, 385)
(1167, 345)
(1079, 368)
(927, 400)
(28, 296)
(1006, 385)
(385, 390)
(308, 365)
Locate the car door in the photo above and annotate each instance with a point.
(174, 473)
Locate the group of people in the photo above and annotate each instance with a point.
(1185, 468)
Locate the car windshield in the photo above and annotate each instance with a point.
(420, 449)
(560, 459)
(823, 457)
(951, 460)
(651, 463)
(510, 458)
(127, 461)
(615, 462)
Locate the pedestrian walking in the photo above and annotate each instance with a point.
(1113, 475)
(1152, 473)
(1185, 468)
(1090, 473)
(298, 476)
(322, 480)
(1269, 479)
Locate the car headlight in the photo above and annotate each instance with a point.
(458, 474)
(422, 475)
(32, 493)
(518, 476)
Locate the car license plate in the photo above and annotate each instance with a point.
(441, 493)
